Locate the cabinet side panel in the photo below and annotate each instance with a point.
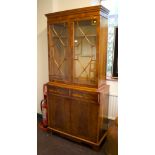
(103, 111)
(103, 38)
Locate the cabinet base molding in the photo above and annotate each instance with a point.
(93, 145)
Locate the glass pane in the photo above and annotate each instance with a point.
(85, 52)
(59, 51)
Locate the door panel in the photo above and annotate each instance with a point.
(59, 113)
(84, 119)
(59, 57)
(84, 55)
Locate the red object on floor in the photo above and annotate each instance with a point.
(42, 127)
(43, 105)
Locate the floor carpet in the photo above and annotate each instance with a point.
(49, 144)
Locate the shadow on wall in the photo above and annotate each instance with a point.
(42, 65)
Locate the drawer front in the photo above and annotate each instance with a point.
(58, 90)
(74, 94)
(85, 95)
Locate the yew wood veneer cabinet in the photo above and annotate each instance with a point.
(77, 92)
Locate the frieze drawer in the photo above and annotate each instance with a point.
(85, 95)
(58, 90)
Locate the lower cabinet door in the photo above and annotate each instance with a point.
(59, 113)
(84, 119)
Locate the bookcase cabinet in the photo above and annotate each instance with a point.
(77, 92)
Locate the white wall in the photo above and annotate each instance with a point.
(60, 5)
(44, 6)
(48, 6)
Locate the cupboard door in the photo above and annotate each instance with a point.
(84, 119)
(59, 113)
(84, 55)
(59, 57)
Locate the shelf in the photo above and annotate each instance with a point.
(60, 37)
(91, 35)
(75, 36)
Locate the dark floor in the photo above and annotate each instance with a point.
(48, 144)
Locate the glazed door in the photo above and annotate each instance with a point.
(84, 52)
(59, 52)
